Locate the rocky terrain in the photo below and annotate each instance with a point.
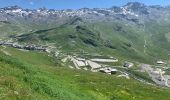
(133, 12)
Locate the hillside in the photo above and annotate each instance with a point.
(116, 53)
(134, 31)
(110, 38)
(41, 78)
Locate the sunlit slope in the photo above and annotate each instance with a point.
(38, 76)
(125, 41)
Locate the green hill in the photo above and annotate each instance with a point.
(35, 75)
(124, 41)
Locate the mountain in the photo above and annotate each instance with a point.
(124, 32)
(120, 31)
(63, 54)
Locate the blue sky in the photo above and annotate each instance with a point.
(76, 4)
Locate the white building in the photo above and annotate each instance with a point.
(160, 62)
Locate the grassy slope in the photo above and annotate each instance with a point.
(123, 40)
(17, 27)
(30, 75)
(111, 38)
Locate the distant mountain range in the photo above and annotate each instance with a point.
(132, 11)
(133, 31)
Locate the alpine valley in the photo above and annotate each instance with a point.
(117, 53)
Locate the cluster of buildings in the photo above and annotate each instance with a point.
(26, 47)
(157, 74)
(97, 64)
(158, 77)
(94, 64)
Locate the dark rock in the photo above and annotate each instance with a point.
(91, 42)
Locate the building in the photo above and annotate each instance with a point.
(108, 70)
(104, 60)
(128, 65)
(93, 65)
(160, 62)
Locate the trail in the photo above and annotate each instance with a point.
(139, 79)
(5, 52)
(145, 44)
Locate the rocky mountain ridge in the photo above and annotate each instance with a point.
(132, 11)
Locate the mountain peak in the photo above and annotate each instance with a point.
(12, 7)
(136, 7)
(135, 4)
(42, 9)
